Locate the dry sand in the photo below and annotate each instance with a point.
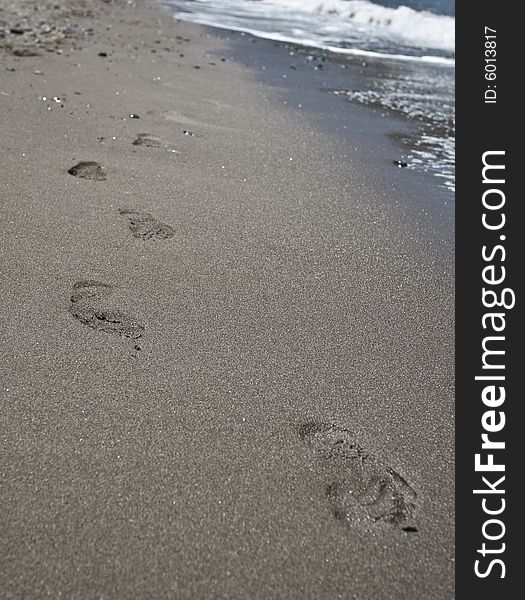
(227, 356)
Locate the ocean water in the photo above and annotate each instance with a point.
(413, 41)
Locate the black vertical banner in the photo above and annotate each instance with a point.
(490, 261)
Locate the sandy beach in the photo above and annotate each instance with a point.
(228, 338)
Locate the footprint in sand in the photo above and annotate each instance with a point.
(88, 170)
(148, 140)
(145, 227)
(89, 304)
(357, 481)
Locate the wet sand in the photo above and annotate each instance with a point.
(227, 339)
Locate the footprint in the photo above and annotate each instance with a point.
(145, 226)
(89, 306)
(88, 170)
(24, 52)
(148, 140)
(357, 481)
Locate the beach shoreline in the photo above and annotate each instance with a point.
(198, 322)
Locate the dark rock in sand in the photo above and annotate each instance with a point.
(19, 29)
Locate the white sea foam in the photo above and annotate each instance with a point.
(416, 28)
(345, 26)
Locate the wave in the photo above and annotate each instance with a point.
(422, 29)
(345, 26)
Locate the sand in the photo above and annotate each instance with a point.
(227, 348)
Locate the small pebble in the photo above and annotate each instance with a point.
(19, 29)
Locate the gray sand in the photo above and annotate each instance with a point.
(283, 424)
